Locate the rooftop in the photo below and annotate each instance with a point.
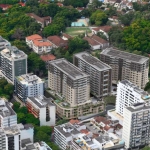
(29, 79)
(47, 57)
(13, 130)
(93, 61)
(69, 69)
(41, 101)
(103, 28)
(34, 37)
(124, 55)
(12, 52)
(5, 109)
(143, 93)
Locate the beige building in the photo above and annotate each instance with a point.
(69, 81)
(100, 73)
(126, 66)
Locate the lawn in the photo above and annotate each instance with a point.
(75, 31)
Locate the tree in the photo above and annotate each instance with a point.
(3, 82)
(98, 18)
(76, 3)
(32, 3)
(146, 148)
(16, 106)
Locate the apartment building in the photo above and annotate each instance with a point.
(70, 81)
(100, 73)
(128, 94)
(28, 85)
(13, 62)
(8, 117)
(3, 43)
(126, 66)
(38, 44)
(136, 125)
(42, 108)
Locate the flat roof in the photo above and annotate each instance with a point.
(41, 101)
(68, 68)
(92, 61)
(112, 52)
(138, 107)
(135, 87)
(13, 130)
(5, 109)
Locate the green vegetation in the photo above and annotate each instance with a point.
(146, 148)
(9, 1)
(6, 89)
(98, 18)
(76, 31)
(41, 133)
(109, 100)
(76, 3)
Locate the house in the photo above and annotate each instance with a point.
(44, 21)
(111, 2)
(66, 36)
(60, 5)
(80, 9)
(114, 20)
(47, 58)
(38, 44)
(57, 41)
(5, 6)
(129, 5)
(96, 42)
(22, 4)
(102, 29)
(117, 3)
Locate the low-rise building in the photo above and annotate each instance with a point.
(66, 36)
(8, 117)
(57, 41)
(38, 44)
(91, 134)
(102, 29)
(28, 85)
(96, 42)
(43, 109)
(43, 21)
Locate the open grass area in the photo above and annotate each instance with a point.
(75, 31)
(111, 99)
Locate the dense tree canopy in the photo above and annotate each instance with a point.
(98, 18)
(76, 3)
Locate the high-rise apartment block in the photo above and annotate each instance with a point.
(126, 66)
(28, 85)
(128, 94)
(100, 73)
(3, 43)
(13, 62)
(7, 115)
(70, 81)
(43, 109)
(136, 125)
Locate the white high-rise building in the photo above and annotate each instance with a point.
(128, 94)
(28, 85)
(43, 109)
(136, 125)
(13, 62)
(8, 117)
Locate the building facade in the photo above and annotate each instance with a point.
(3, 43)
(136, 125)
(69, 81)
(8, 117)
(13, 62)
(42, 108)
(127, 95)
(28, 85)
(100, 73)
(126, 66)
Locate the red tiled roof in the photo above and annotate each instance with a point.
(102, 119)
(91, 41)
(60, 4)
(106, 128)
(34, 37)
(47, 57)
(22, 4)
(67, 36)
(41, 43)
(4, 6)
(72, 121)
(98, 39)
(84, 131)
(57, 40)
(103, 28)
